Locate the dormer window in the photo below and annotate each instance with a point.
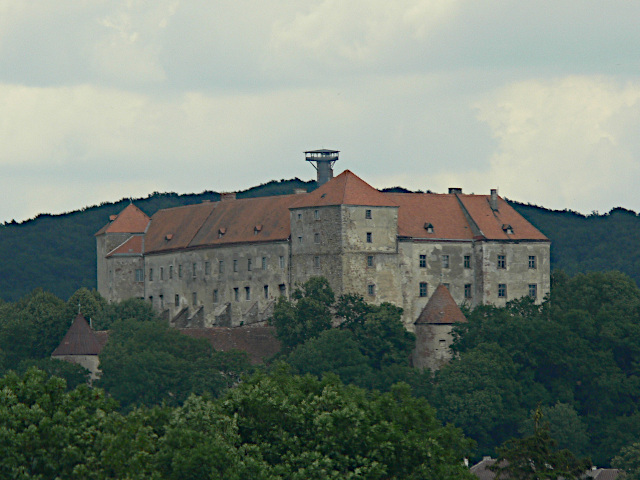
(257, 229)
(428, 227)
(168, 236)
(221, 232)
(508, 229)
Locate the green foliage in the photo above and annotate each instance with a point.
(536, 458)
(306, 315)
(148, 363)
(628, 460)
(578, 355)
(307, 428)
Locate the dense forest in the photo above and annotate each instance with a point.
(561, 377)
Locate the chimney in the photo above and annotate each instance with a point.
(455, 190)
(493, 201)
(227, 196)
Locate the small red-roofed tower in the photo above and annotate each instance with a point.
(120, 263)
(433, 330)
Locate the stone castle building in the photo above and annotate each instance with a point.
(225, 263)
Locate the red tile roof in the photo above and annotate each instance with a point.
(132, 246)
(259, 342)
(129, 220)
(441, 309)
(441, 211)
(345, 189)
(490, 222)
(80, 339)
(265, 219)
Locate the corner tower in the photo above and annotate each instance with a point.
(323, 161)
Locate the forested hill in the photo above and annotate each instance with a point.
(589, 243)
(57, 252)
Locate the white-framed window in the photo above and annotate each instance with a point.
(467, 290)
(532, 262)
(371, 290)
(367, 214)
(533, 291)
(369, 260)
(467, 261)
(423, 289)
(502, 261)
(423, 261)
(445, 261)
(502, 290)
(281, 262)
(139, 275)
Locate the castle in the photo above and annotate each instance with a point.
(225, 263)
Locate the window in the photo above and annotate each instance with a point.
(194, 270)
(316, 262)
(264, 263)
(151, 300)
(369, 237)
(266, 291)
(161, 273)
(467, 261)
(180, 271)
(299, 216)
(236, 294)
(316, 238)
(221, 266)
(502, 290)
(177, 300)
(247, 293)
(367, 214)
(316, 214)
(170, 271)
(207, 268)
(445, 261)
(502, 261)
(215, 296)
(300, 239)
(447, 286)
(235, 265)
(423, 261)
(151, 274)
(533, 291)
(139, 275)
(283, 289)
(249, 264)
(370, 261)
(532, 261)
(281, 262)
(467, 290)
(371, 290)
(194, 297)
(161, 302)
(423, 289)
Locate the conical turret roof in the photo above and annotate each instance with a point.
(441, 309)
(80, 339)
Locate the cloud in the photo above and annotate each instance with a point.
(564, 143)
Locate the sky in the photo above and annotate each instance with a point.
(102, 100)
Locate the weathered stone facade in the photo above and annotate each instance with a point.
(225, 263)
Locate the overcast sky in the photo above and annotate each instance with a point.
(101, 100)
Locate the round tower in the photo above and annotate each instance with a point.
(322, 160)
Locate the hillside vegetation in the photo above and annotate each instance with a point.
(57, 252)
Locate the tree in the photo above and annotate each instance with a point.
(535, 457)
(307, 428)
(306, 315)
(629, 460)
